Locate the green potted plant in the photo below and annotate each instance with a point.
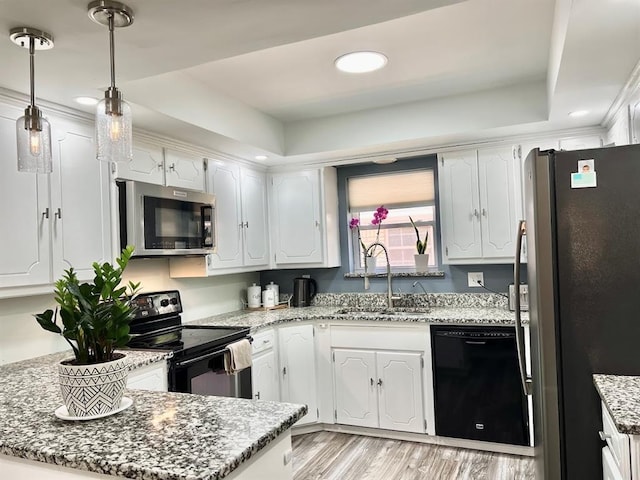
(95, 321)
(421, 258)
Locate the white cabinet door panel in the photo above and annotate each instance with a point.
(24, 207)
(265, 377)
(298, 368)
(497, 184)
(296, 213)
(400, 390)
(254, 213)
(460, 205)
(184, 170)
(225, 184)
(147, 165)
(80, 212)
(356, 400)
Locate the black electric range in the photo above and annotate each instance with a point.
(197, 364)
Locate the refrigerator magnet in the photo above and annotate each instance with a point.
(585, 177)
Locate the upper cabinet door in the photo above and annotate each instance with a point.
(497, 182)
(24, 214)
(254, 214)
(295, 210)
(184, 170)
(81, 222)
(459, 205)
(147, 165)
(224, 181)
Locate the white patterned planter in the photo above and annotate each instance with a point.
(89, 390)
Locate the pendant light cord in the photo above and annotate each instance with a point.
(32, 69)
(112, 50)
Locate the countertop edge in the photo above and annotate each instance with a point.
(620, 405)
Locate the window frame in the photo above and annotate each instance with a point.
(352, 235)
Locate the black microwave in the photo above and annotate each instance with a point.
(161, 220)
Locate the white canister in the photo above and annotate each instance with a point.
(276, 291)
(268, 298)
(253, 296)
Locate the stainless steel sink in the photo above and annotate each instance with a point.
(385, 311)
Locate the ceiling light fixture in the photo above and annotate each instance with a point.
(86, 100)
(261, 157)
(33, 130)
(113, 115)
(578, 113)
(360, 62)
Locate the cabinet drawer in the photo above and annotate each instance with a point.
(618, 444)
(262, 341)
(610, 469)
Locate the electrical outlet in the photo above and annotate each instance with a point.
(474, 277)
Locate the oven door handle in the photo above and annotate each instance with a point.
(201, 357)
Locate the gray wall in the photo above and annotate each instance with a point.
(496, 277)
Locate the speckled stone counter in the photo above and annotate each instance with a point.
(468, 309)
(621, 396)
(166, 436)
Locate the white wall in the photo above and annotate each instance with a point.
(22, 337)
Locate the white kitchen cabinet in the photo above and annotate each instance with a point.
(304, 218)
(264, 369)
(479, 205)
(153, 377)
(184, 170)
(379, 389)
(298, 368)
(147, 164)
(53, 222)
(255, 215)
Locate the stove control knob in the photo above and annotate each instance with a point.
(174, 301)
(164, 302)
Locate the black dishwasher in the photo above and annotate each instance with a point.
(477, 384)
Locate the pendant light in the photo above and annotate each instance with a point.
(113, 115)
(33, 130)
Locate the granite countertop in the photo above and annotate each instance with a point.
(166, 436)
(443, 308)
(621, 396)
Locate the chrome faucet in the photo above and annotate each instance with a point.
(390, 297)
(417, 282)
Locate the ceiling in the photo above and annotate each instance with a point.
(248, 77)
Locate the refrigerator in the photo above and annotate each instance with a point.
(582, 234)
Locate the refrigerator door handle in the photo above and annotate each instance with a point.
(524, 378)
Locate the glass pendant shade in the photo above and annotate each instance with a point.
(114, 142)
(34, 146)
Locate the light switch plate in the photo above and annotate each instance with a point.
(474, 277)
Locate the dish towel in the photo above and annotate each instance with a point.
(237, 357)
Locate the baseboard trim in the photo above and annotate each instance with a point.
(416, 437)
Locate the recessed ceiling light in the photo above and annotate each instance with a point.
(360, 62)
(261, 157)
(578, 113)
(87, 100)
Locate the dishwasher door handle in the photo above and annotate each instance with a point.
(475, 342)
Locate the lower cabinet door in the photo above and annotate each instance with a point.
(610, 469)
(356, 399)
(400, 391)
(265, 377)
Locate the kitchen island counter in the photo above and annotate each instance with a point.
(621, 396)
(162, 436)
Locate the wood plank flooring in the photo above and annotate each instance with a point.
(338, 456)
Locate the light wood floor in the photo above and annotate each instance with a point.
(338, 456)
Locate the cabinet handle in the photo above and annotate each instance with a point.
(172, 167)
(475, 213)
(160, 165)
(241, 225)
(246, 224)
(45, 214)
(257, 396)
(317, 223)
(484, 212)
(284, 371)
(379, 382)
(604, 436)
(58, 213)
(371, 381)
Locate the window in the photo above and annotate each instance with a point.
(405, 194)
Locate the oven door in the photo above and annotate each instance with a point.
(205, 375)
